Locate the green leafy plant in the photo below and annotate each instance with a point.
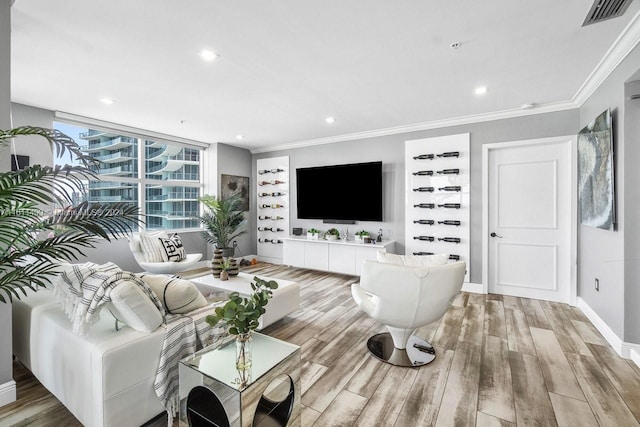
(362, 233)
(332, 232)
(222, 220)
(313, 231)
(242, 314)
(39, 224)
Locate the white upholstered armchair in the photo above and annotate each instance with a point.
(403, 298)
(159, 265)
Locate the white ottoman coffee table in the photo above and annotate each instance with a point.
(285, 299)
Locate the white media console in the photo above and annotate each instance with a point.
(337, 256)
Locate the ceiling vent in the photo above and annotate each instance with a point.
(606, 9)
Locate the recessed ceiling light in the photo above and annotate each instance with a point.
(481, 90)
(330, 120)
(455, 45)
(208, 55)
(239, 136)
(107, 101)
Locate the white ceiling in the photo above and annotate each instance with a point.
(285, 65)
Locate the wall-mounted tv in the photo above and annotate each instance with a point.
(347, 192)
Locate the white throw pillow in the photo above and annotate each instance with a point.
(177, 295)
(172, 249)
(412, 260)
(130, 305)
(152, 246)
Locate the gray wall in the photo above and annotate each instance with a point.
(37, 148)
(237, 161)
(6, 364)
(602, 254)
(390, 149)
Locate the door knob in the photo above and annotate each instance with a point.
(495, 235)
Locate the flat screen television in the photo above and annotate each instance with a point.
(346, 192)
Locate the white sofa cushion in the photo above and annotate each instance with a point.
(151, 246)
(177, 295)
(412, 260)
(130, 305)
(172, 249)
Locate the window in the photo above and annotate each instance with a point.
(161, 177)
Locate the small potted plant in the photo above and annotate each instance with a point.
(225, 265)
(360, 235)
(313, 233)
(332, 234)
(242, 316)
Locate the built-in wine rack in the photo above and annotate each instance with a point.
(437, 197)
(273, 206)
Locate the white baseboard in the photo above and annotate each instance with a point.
(475, 288)
(635, 356)
(626, 350)
(7, 392)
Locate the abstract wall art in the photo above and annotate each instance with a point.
(596, 193)
(230, 184)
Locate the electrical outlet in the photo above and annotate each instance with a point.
(597, 285)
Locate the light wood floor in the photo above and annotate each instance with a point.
(502, 361)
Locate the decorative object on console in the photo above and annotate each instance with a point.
(332, 234)
(223, 221)
(313, 233)
(360, 235)
(38, 238)
(216, 262)
(297, 231)
(596, 173)
(233, 267)
(242, 316)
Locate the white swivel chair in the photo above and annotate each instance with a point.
(403, 299)
(163, 267)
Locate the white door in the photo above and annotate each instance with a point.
(530, 219)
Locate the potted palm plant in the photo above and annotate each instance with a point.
(35, 235)
(222, 221)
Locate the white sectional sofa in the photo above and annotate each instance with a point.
(105, 379)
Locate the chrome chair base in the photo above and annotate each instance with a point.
(418, 352)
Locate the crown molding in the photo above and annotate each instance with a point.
(621, 47)
(417, 127)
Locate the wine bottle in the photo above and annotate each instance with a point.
(425, 205)
(265, 206)
(424, 189)
(449, 239)
(424, 221)
(423, 173)
(277, 181)
(276, 170)
(277, 193)
(450, 205)
(449, 222)
(264, 183)
(423, 157)
(263, 194)
(449, 172)
(279, 229)
(265, 229)
(277, 205)
(454, 257)
(425, 238)
(277, 217)
(450, 154)
(264, 217)
(263, 171)
(450, 188)
(423, 253)
(276, 241)
(265, 240)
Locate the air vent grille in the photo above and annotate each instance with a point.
(606, 9)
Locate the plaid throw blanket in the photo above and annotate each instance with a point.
(186, 333)
(83, 289)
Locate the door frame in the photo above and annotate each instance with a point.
(572, 145)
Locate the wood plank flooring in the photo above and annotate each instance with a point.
(501, 361)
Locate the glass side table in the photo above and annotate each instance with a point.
(211, 394)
